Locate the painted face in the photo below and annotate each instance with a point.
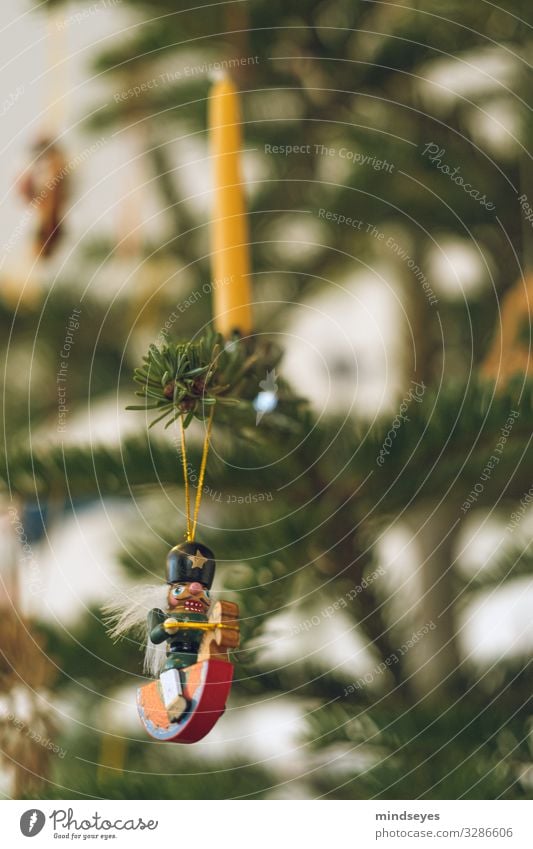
(192, 597)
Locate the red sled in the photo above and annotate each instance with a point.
(206, 686)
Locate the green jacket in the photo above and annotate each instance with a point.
(183, 645)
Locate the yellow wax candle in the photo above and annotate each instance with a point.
(230, 261)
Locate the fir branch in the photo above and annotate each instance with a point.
(186, 378)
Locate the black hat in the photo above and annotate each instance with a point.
(190, 561)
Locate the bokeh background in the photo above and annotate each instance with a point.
(385, 577)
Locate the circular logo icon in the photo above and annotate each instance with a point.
(32, 822)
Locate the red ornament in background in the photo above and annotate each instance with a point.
(44, 185)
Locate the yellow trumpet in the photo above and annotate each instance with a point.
(174, 625)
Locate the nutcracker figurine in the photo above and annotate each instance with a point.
(194, 674)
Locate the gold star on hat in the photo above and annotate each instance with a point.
(197, 559)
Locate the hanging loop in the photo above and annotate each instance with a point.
(192, 523)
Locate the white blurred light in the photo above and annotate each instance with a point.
(266, 402)
(344, 350)
(456, 268)
(498, 624)
(466, 75)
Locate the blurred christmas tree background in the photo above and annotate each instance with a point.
(376, 539)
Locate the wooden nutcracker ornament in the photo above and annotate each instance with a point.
(191, 694)
(188, 639)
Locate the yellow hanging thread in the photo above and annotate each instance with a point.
(203, 464)
(191, 525)
(186, 481)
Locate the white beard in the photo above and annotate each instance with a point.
(127, 614)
